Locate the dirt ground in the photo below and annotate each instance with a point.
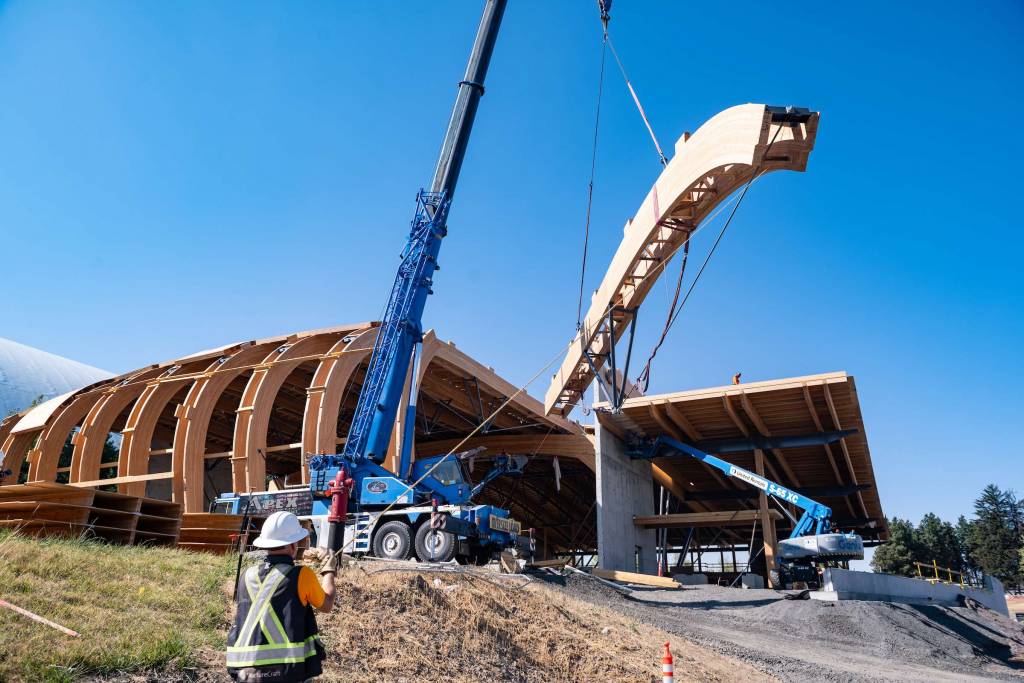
(808, 640)
(393, 624)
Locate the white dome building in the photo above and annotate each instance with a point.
(26, 374)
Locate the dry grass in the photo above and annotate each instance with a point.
(138, 609)
(161, 615)
(403, 626)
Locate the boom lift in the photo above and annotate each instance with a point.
(425, 505)
(812, 540)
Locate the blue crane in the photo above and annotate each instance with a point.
(425, 507)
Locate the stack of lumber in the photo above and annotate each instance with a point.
(49, 509)
(215, 532)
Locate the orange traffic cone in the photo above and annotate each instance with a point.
(667, 672)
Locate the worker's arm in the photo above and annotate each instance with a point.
(327, 585)
(319, 594)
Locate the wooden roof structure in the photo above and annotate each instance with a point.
(728, 151)
(839, 475)
(234, 417)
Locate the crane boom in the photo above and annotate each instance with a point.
(401, 329)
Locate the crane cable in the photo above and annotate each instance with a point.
(606, 43)
(593, 167)
(645, 375)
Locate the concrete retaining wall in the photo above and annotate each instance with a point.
(844, 584)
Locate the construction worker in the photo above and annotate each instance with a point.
(736, 378)
(275, 636)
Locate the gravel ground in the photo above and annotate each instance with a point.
(810, 640)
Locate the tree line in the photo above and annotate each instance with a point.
(992, 542)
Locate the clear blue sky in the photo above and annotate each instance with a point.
(174, 175)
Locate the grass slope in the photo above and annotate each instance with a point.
(136, 608)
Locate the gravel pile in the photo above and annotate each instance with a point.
(809, 640)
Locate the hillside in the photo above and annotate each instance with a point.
(162, 614)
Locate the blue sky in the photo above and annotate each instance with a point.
(174, 175)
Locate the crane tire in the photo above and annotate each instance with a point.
(433, 545)
(392, 541)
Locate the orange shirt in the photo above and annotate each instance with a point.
(310, 592)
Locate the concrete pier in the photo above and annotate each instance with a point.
(625, 488)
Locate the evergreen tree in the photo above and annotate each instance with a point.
(993, 540)
(937, 541)
(897, 555)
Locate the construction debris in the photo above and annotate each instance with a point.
(42, 620)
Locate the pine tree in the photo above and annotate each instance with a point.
(897, 555)
(937, 541)
(993, 540)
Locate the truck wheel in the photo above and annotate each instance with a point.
(434, 545)
(392, 541)
(481, 556)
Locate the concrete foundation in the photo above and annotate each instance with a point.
(844, 584)
(625, 488)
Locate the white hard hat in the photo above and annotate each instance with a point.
(280, 529)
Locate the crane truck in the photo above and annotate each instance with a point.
(813, 540)
(426, 506)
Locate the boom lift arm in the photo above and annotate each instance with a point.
(816, 518)
(813, 539)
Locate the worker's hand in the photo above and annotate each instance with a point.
(330, 565)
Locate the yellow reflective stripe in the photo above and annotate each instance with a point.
(260, 605)
(265, 655)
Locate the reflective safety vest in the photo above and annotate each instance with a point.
(275, 637)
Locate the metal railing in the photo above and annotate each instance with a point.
(935, 575)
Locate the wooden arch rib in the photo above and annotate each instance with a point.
(43, 459)
(16, 448)
(137, 435)
(189, 449)
(323, 397)
(85, 460)
(248, 466)
(12, 450)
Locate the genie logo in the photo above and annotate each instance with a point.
(376, 486)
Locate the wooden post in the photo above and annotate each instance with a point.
(767, 521)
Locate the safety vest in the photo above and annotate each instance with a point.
(275, 637)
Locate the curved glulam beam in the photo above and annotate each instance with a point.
(707, 167)
(248, 464)
(137, 435)
(44, 457)
(324, 394)
(189, 448)
(85, 460)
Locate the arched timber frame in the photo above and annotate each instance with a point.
(234, 400)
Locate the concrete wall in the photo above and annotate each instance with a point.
(845, 584)
(625, 488)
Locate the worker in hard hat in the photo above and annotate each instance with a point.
(275, 636)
